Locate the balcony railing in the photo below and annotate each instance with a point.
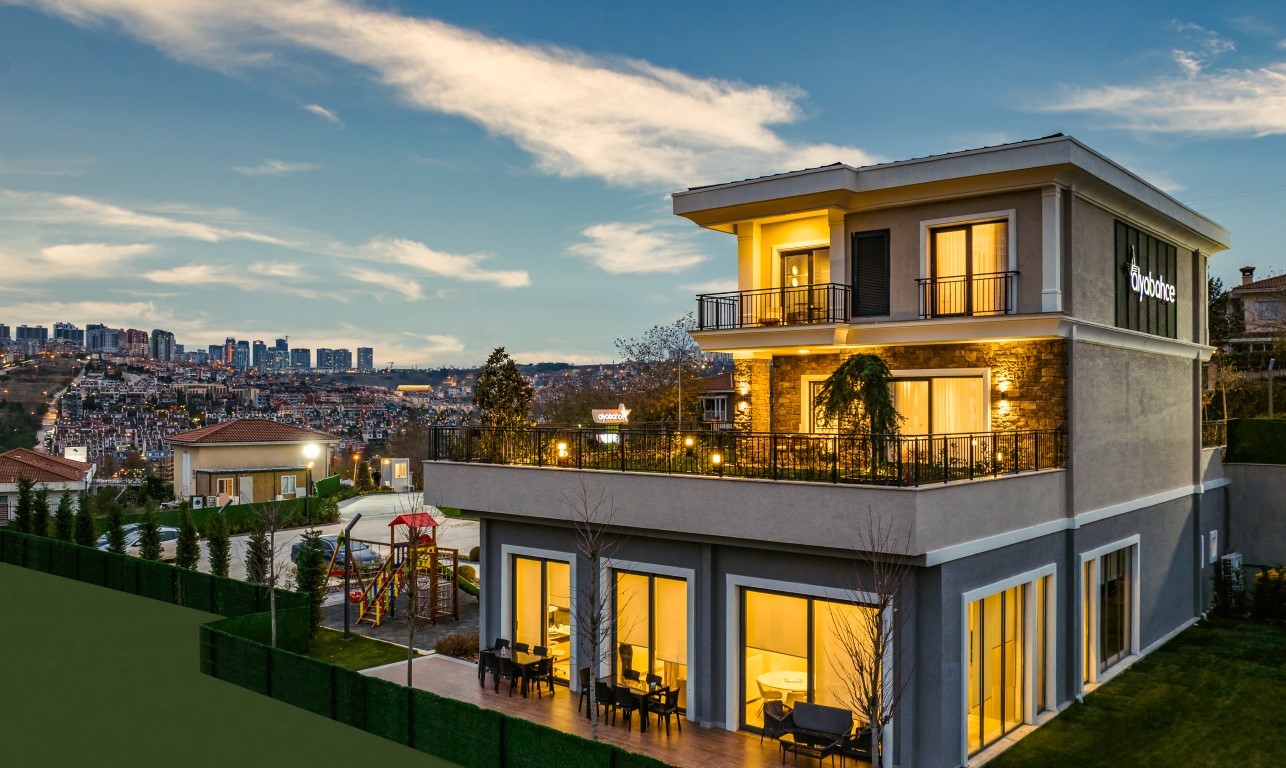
(892, 460)
(989, 294)
(767, 307)
(1214, 434)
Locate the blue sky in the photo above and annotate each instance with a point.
(435, 179)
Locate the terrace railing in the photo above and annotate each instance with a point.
(1214, 434)
(768, 307)
(893, 460)
(967, 295)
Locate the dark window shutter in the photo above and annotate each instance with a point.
(870, 273)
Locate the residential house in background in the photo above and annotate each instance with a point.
(1042, 310)
(1262, 307)
(62, 477)
(248, 461)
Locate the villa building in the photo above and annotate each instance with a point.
(1042, 310)
(60, 477)
(246, 461)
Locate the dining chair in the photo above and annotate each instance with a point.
(492, 667)
(522, 647)
(775, 714)
(654, 680)
(501, 643)
(667, 706)
(540, 650)
(606, 698)
(631, 674)
(766, 695)
(628, 703)
(511, 672)
(542, 672)
(584, 688)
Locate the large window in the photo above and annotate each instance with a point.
(801, 271)
(791, 650)
(996, 652)
(1108, 611)
(652, 628)
(967, 266)
(542, 609)
(942, 405)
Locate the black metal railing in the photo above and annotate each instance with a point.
(967, 295)
(766, 307)
(1214, 434)
(894, 460)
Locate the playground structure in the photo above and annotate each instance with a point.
(377, 588)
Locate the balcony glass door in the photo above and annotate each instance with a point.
(966, 267)
(996, 671)
(542, 609)
(804, 274)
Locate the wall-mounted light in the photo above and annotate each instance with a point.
(743, 388)
(802, 351)
(743, 406)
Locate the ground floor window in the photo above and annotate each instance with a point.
(1108, 611)
(791, 650)
(4, 509)
(288, 485)
(996, 668)
(651, 628)
(542, 609)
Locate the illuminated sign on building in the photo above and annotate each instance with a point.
(617, 415)
(1146, 285)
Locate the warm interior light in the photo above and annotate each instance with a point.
(794, 270)
(562, 450)
(803, 351)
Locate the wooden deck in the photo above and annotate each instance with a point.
(695, 747)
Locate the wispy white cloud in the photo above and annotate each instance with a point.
(407, 289)
(270, 167)
(416, 255)
(557, 356)
(623, 247)
(627, 121)
(277, 269)
(21, 264)
(44, 166)
(710, 286)
(226, 276)
(323, 113)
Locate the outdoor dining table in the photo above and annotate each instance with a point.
(521, 659)
(642, 691)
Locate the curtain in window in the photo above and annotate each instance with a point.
(950, 255)
(911, 399)
(990, 255)
(958, 406)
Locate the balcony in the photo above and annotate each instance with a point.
(967, 295)
(881, 460)
(769, 307)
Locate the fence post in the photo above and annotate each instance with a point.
(835, 459)
(540, 449)
(621, 434)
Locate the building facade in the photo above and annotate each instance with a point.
(1042, 312)
(248, 461)
(365, 359)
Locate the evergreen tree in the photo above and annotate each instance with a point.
(115, 528)
(40, 513)
(149, 536)
(217, 542)
(188, 547)
(63, 518)
(364, 482)
(26, 501)
(83, 530)
(311, 577)
(502, 395)
(257, 556)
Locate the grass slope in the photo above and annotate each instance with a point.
(91, 676)
(1211, 697)
(356, 653)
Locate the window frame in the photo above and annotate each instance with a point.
(294, 485)
(950, 373)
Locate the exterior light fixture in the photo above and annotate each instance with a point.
(716, 459)
(562, 450)
(743, 406)
(687, 442)
(743, 388)
(803, 351)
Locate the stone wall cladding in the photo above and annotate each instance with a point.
(753, 377)
(1035, 370)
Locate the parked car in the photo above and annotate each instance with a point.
(365, 557)
(129, 528)
(169, 542)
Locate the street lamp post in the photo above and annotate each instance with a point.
(1271, 364)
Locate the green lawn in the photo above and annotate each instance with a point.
(356, 653)
(1214, 696)
(94, 677)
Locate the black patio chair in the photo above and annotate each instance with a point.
(776, 720)
(606, 698)
(491, 665)
(584, 688)
(628, 703)
(501, 643)
(540, 650)
(667, 706)
(511, 672)
(541, 672)
(482, 666)
(631, 674)
(654, 680)
(522, 648)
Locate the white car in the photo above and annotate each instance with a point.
(169, 543)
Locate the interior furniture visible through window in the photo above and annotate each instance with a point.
(651, 628)
(801, 270)
(542, 609)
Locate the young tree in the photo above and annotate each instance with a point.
(115, 529)
(870, 682)
(218, 544)
(270, 518)
(63, 518)
(257, 556)
(364, 482)
(149, 536)
(188, 548)
(591, 514)
(26, 503)
(419, 532)
(311, 576)
(666, 368)
(40, 512)
(857, 395)
(502, 395)
(83, 529)
(1224, 316)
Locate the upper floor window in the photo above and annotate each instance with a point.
(968, 270)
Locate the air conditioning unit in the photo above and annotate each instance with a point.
(197, 502)
(1232, 560)
(212, 501)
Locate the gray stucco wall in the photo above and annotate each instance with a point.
(1257, 513)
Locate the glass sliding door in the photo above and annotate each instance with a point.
(791, 650)
(1114, 608)
(996, 675)
(941, 405)
(967, 266)
(651, 628)
(803, 273)
(542, 613)
(1042, 640)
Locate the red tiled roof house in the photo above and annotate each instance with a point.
(60, 476)
(248, 460)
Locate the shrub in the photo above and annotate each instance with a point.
(63, 518)
(311, 576)
(26, 500)
(115, 529)
(188, 548)
(83, 533)
(257, 554)
(473, 555)
(325, 510)
(467, 572)
(149, 537)
(1230, 591)
(458, 645)
(40, 513)
(218, 544)
(1270, 595)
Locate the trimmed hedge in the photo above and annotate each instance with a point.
(349, 693)
(62, 559)
(1256, 441)
(529, 745)
(91, 566)
(301, 682)
(387, 712)
(195, 590)
(458, 732)
(156, 580)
